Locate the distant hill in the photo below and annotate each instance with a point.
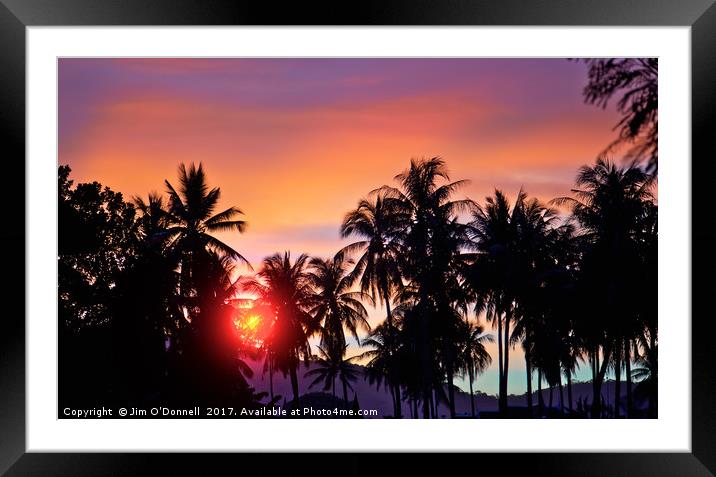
(371, 397)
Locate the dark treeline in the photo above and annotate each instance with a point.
(148, 295)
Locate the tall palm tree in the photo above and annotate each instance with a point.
(193, 221)
(546, 256)
(335, 305)
(382, 365)
(285, 288)
(646, 373)
(473, 356)
(155, 266)
(493, 275)
(377, 269)
(432, 242)
(214, 353)
(331, 365)
(609, 204)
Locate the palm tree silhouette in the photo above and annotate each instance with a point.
(377, 269)
(610, 205)
(161, 278)
(383, 366)
(432, 242)
(154, 218)
(192, 222)
(637, 80)
(473, 356)
(331, 365)
(544, 254)
(285, 288)
(646, 375)
(156, 265)
(492, 276)
(334, 305)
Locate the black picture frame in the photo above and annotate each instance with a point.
(16, 15)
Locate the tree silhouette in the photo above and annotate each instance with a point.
(154, 298)
(334, 305)
(492, 276)
(331, 365)
(636, 79)
(609, 205)
(473, 358)
(433, 242)
(285, 288)
(192, 222)
(377, 269)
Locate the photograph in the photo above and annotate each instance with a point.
(357, 238)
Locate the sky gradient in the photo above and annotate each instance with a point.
(295, 143)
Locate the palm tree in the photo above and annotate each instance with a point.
(331, 365)
(335, 305)
(493, 274)
(381, 367)
(646, 374)
(610, 205)
(377, 269)
(155, 266)
(213, 358)
(570, 362)
(432, 242)
(192, 222)
(637, 80)
(541, 253)
(154, 218)
(473, 356)
(285, 288)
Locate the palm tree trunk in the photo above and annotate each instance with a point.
(270, 379)
(451, 388)
(333, 390)
(627, 362)
(595, 364)
(505, 367)
(617, 383)
(434, 402)
(569, 389)
(395, 389)
(391, 391)
(601, 371)
(427, 374)
(540, 398)
(472, 395)
(653, 398)
(500, 364)
(424, 354)
(345, 393)
(398, 403)
(427, 404)
(528, 370)
(294, 383)
(561, 395)
(551, 389)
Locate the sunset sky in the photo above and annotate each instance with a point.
(295, 143)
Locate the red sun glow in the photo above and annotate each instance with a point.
(251, 324)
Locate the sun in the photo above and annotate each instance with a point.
(251, 326)
(252, 322)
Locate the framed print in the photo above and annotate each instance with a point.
(416, 229)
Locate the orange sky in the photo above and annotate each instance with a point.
(295, 143)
